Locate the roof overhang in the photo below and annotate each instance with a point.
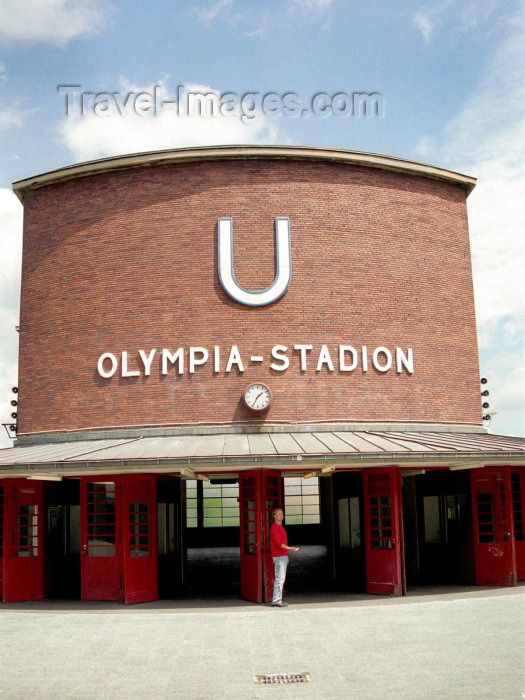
(210, 153)
(291, 452)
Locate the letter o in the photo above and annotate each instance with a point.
(341, 105)
(375, 359)
(100, 365)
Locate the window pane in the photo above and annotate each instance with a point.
(219, 504)
(301, 501)
(294, 520)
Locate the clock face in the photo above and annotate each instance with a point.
(257, 397)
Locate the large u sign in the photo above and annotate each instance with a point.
(283, 255)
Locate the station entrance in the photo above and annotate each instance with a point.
(228, 523)
(137, 537)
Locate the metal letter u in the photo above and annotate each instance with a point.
(283, 265)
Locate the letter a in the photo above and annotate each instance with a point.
(283, 264)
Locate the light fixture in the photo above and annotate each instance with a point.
(485, 393)
(310, 475)
(201, 477)
(462, 467)
(45, 477)
(15, 390)
(14, 402)
(485, 405)
(187, 472)
(483, 380)
(327, 470)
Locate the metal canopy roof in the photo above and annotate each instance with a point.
(298, 451)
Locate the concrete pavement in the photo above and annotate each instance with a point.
(440, 643)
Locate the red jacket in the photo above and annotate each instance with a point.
(277, 538)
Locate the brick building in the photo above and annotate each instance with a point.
(208, 333)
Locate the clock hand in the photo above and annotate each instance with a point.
(256, 398)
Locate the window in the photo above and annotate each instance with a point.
(101, 524)
(212, 505)
(28, 531)
(349, 522)
(220, 504)
(139, 534)
(446, 518)
(301, 501)
(517, 505)
(191, 504)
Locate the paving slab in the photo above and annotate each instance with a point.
(446, 643)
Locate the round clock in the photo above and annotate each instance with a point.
(257, 397)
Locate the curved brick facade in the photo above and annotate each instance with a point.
(126, 259)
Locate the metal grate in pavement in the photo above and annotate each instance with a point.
(282, 678)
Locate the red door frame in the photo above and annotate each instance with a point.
(250, 544)
(259, 493)
(23, 540)
(385, 571)
(493, 526)
(272, 494)
(139, 511)
(101, 533)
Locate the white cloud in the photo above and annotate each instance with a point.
(94, 136)
(455, 15)
(310, 10)
(424, 24)
(313, 5)
(11, 246)
(424, 146)
(14, 116)
(506, 381)
(487, 139)
(50, 21)
(265, 20)
(211, 13)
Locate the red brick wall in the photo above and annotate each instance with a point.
(126, 260)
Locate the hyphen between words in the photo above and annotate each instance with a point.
(342, 358)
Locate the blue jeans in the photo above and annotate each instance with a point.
(280, 564)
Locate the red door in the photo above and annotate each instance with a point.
(23, 541)
(259, 493)
(101, 539)
(518, 510)
(383, 533)
(1, 538)
(494, 552)
(140, 538)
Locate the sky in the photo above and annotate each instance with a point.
(446, 76)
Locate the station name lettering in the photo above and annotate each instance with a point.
(306, 358)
